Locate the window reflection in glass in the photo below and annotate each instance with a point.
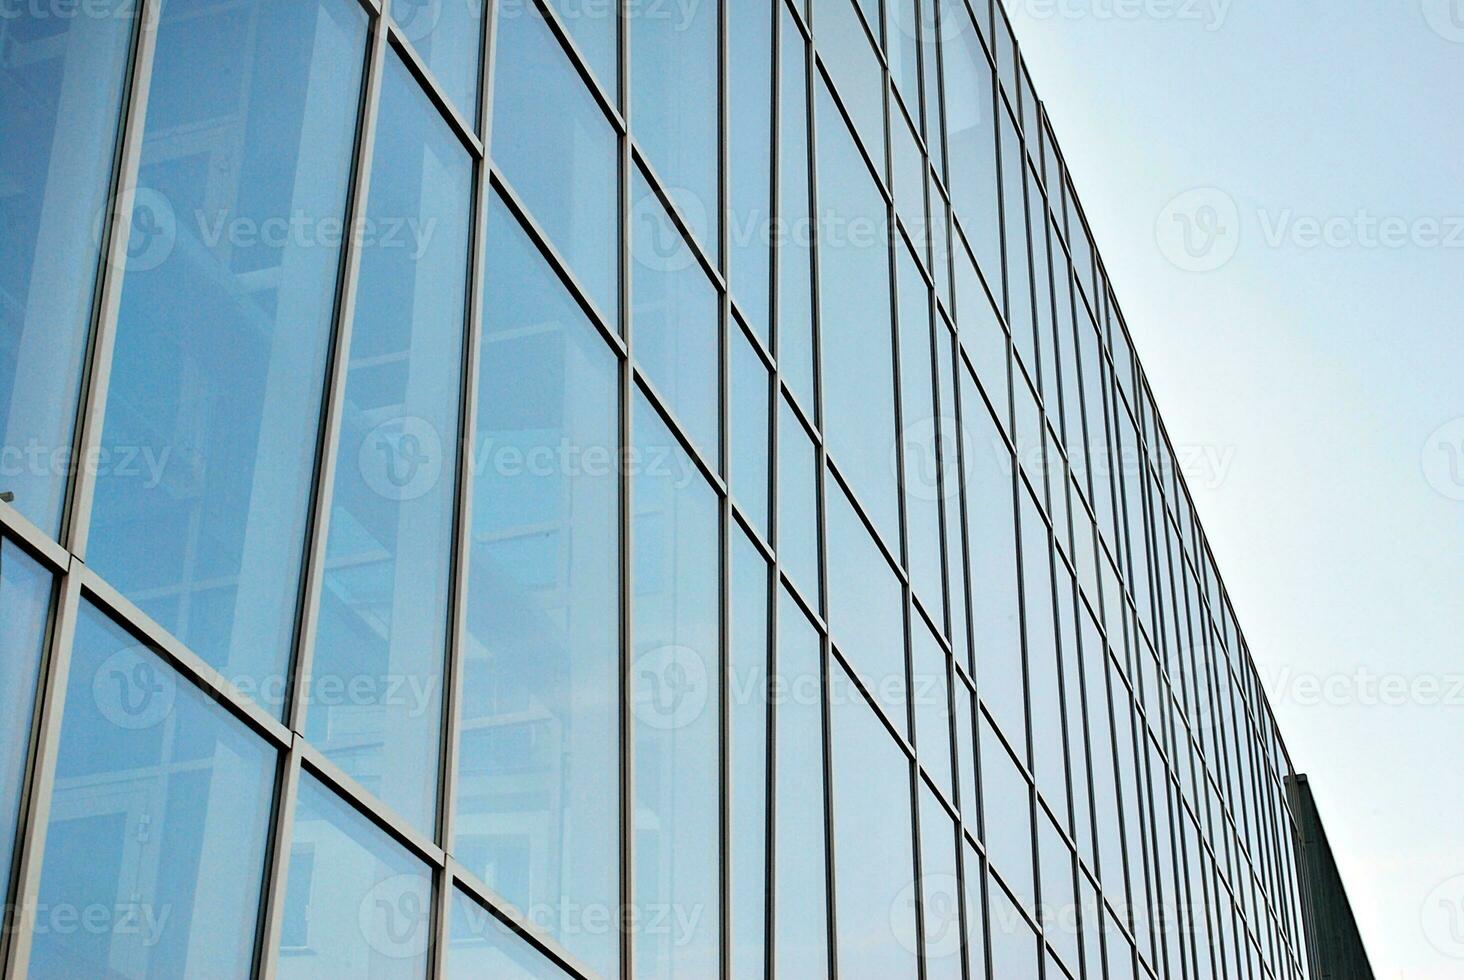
(61, 83)
(356, 903)
(675, 311)
(25, 607)
(376, 691)
(224, 325)
(481, 945)
(538, 790)
(158, 823)
(874, 859)
(794, 226)
(675, 675)
(448, 36)
(557, 149)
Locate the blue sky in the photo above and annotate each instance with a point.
(1306, 349)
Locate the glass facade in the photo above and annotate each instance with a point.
(592, 490)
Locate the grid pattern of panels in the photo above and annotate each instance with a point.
(595, 490)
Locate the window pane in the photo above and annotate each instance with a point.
(750, 401)
(225, 323)
(673, 107)
(865, 613)
(749, 751)
(1040, 629)
(965, 721)
(448, 35)
(158, 825)
(1013, 944)
(972, 142)
(556, 146)
(357, 904)
(480, 945)
(930, 691)
(539, 743)
(854, 305)
(749, 157)
(1014, 229)
(801, 928)
(794, 226)
(874, 861)
(61, 82)
(383, 616)
(849, 57)
(1006, 797)
(940, 890)
(25, 609)
(929, 464)
(675, 311)
(675, 688)
(595, 29)
(797, 504)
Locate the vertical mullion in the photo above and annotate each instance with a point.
(624, 11)
(278, 872)
(773, 577)
(46, 739)
(88, 437)
(333, 402)
(724, 370)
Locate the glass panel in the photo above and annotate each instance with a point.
(540, 730)
(25, 609)
(975, 909)
(940, 889)
(1043, 663)
(794, 227)
(749, 424)
(1013, 944)
(1006, 797)
(223, 331)
(850, 60)
(972, 142)
(356, 903)
(675, 689)
(901, 37)
(554, 143)
(384, 598)
(448, 35)
(674, 107)
(158, 828)
(982, 336)
(928, 463)
(930, 692)
(480, 945)
(1058, 913)
(798, 524)
(953, 435)
(749, 752)
(61, 82)
(1014, 228)
(800, 905)
(865, 607)
(874, 862)
(675, 311)
(854, 309)
(595, 29)
(749, 158)
(965, 722)
(907, 178)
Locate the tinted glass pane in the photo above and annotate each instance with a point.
(156, 845)
(982, 336)
(874, 863)
(673, 105)
(383, 615)
(965, 722)
(1013, 944)
(794, 227)
(675, 675)
(928, 463)
(940, 890)
(1014, 239)
(749, 751)
(480, 945)
(849, 56)
(801, 929)
(1048, 763)
(539, 736)
(225, 323)
(448, 34)
(972, 142)
(556, 146)
(854, 308)
(356, 903)
(25, 603)
(1006, 798)
(974, 904)
(930, 692)
(952, 434)
(61, 81)
(749, 422)
(901, 36)
(674, 306)
(595, 29)
(1058, 912)
(749, 157)
(865, 606)
(797, 503)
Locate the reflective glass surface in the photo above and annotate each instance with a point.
(749, 406)
(25, 607)
(225, 322)
(61, 84)
(749, 703)
(382, 634)
(448, 36)
(156, 844)
(481, 945)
